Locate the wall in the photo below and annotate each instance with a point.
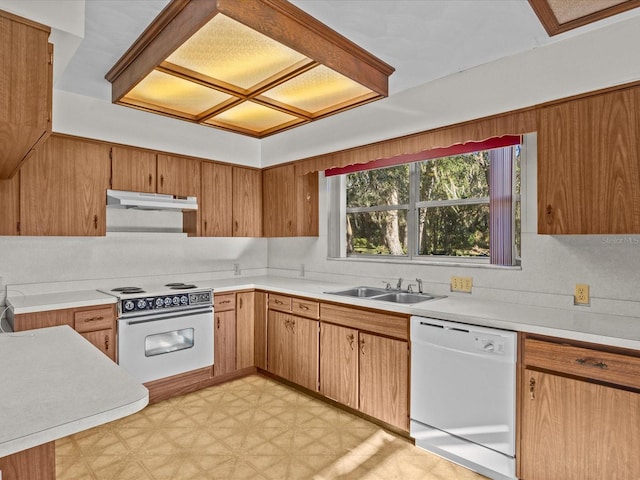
(551, 265)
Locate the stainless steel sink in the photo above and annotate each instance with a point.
(362, 292)
(385, 295)
(404, 297)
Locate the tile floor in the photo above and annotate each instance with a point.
(252, 428)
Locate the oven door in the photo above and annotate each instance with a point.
(162, 344)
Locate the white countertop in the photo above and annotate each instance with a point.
(54, 383)
(615, 330)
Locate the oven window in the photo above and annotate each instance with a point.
(168, 342)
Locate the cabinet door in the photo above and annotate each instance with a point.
(224, 339)
(133, 169)
(384, 379)
(178, 176)
(260, 330)
(588, 169)
(339, 364)
(50, 318)
(104, 340)
(25, 89)
(247, 202)
(279, 344)
(215, 203)
(576, 430)
(63, 188)
(245, 325)
(10, 204)
(304, 361)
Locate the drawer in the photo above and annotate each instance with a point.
(279, 302)
(367, 320)
(224, 302)
(305, 308)
(590, 363)
(96, 319)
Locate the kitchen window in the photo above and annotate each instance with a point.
(463, 206)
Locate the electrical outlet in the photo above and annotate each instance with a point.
(461, 284)
(236, 269)
(581, 295)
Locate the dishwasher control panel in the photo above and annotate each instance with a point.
(488, 344)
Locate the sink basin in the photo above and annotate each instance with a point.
(362, 292)
(404, 297)
(384, 295)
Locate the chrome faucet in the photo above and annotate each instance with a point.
(399, 284)
(388, 286)
(410, 287)
(419, 280)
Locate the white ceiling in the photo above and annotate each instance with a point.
(423, 39)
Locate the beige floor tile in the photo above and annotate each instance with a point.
(252, 428)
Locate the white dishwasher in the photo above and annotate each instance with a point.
(463, 394)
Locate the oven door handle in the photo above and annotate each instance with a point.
(166, 316)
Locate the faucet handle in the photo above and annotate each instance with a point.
(388, 286)
(410, 287)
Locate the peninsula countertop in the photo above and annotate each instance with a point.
(54, 384)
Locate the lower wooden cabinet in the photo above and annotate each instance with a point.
(365, 371)
(571, 426)
(293, 348)
(97, 324)
(224, 348)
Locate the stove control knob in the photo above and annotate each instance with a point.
(159, 302)
(184, 300)
(167, 301)
(141, 304)
(128, 305)
(176, 300)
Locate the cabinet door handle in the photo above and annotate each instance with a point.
(240, 302)
(218, 323)
(237, 225)
(350, 339)
(532, 388)
(162, 180)
(150, 179)
(106, 342)
(362, 346)
(205, 226)
(591, 362)
(95, 222)
(293, 326)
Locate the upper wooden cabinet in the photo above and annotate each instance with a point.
(63, 188)
(133, 169)
(247, 202)
(215, 202)
(178, 176)
(290, 202)
(25, 89)
(589, 165)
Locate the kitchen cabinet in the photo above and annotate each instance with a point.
(133, 169)
(292, 345)
(290, 202)
(216, 201)
(10, 201)
(247, 202)
(580, 411)
(589, 165)
(62, 188)
(178, 176)
(245, 328)
(97, 324)
(25, 90)
(361, 367)
(224, 334)
(260, 304)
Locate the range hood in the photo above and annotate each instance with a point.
(149, 201)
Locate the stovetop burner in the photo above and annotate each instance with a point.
(128, 290)
(180, 286)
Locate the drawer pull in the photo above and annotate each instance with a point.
(592, 363)
(225, 301)
(303, 307)
(93, 319)
(532, 388)
(278, 302)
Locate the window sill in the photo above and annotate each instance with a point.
(438, 263)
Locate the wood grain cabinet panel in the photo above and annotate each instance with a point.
(290, 202)
(589, 165)
(10, 204)
(133, 169)
(224, 337)
(104, 340)
(247, 202)
(245, 329)
(25, 90)
(339, 378)
(63, 188)
(215, 202)
(178, 176)
(260, 329)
